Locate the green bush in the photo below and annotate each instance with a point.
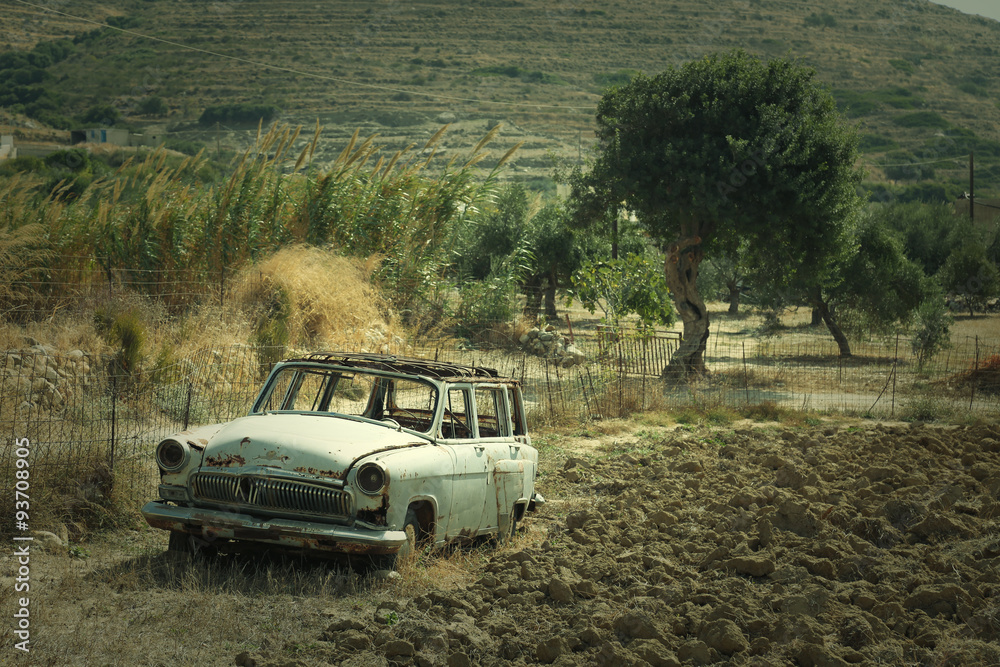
(823, 20)
(241, 113)
(124, 331)
(904, 66)
(873, 143)
(917, 119)
(515, 72)
(932, 335)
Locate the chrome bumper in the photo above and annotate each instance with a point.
(212, 525)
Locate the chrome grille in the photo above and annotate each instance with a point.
(269, 493)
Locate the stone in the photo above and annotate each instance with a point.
(695, 652)
(459, 659)
(547, 651)
(724, 636)
(754, 566)
(560, 591)
(637, 625)
(398, 647)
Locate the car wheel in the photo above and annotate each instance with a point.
(504, 536)
(180, 543)
(409, 548)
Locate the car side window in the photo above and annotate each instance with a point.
(517, 410)
(491, 413)
(455, 424)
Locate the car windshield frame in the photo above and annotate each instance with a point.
(380, 397)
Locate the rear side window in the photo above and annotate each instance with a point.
(491, 413)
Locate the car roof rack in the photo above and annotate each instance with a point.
(439, 370)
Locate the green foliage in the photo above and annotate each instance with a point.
(103, 115)
(929, 232)
(904, 165)
(493, 300)
(858, 103)
(152, 106)
(917, 119)
(515, 72)
(932, 332)
(622, 287)
(124, 331)
(904, 66)
(822, 20)
(880, 288)
(969, 274)
(729, 150)
(240, 113)
(872, 143)
(619, 78)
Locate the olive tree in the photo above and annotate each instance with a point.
(724, 151)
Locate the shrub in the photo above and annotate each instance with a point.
(921, 119)
(241, 113)
(124, 331)
(933, 330)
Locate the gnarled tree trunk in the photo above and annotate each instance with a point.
(734, 296)
(550, 299)
(827, 315)
(681, 272)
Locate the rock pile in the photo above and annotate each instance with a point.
(40, 377)
(551, 344)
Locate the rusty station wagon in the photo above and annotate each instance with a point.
(353, 453)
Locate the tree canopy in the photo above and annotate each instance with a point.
(724, 151)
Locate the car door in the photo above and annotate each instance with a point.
(504, 461)
(471, 486)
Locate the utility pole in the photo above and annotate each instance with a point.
(972, 186)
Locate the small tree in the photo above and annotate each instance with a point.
(933, 330)
(620, 287)
(724, 151)
(969, 274)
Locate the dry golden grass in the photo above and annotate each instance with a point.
(333, 303)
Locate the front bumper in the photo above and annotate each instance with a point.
(210, 524)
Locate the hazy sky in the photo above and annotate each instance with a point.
(989, 8)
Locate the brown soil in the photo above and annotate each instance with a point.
(845, 543)
(870, 544)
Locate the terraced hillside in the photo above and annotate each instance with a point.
(919, 78)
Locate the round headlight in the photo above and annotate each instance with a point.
(171, 455)
(371, 478)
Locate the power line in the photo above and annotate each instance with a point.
(312, 75)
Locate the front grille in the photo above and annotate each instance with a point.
(267, 493)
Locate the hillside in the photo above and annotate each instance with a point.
(920, 79)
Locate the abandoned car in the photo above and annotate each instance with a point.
(353, 453)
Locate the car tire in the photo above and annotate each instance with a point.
(180, 544)
(504, 537)
(411, 527)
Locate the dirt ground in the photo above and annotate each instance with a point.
(848, 542)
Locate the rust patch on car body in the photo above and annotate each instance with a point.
(318, 473)
(227, 461)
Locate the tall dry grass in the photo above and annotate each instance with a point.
(333, 302)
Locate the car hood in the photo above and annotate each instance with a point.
(322, 445)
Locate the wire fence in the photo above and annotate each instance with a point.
(93, 428)
(80, 283)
